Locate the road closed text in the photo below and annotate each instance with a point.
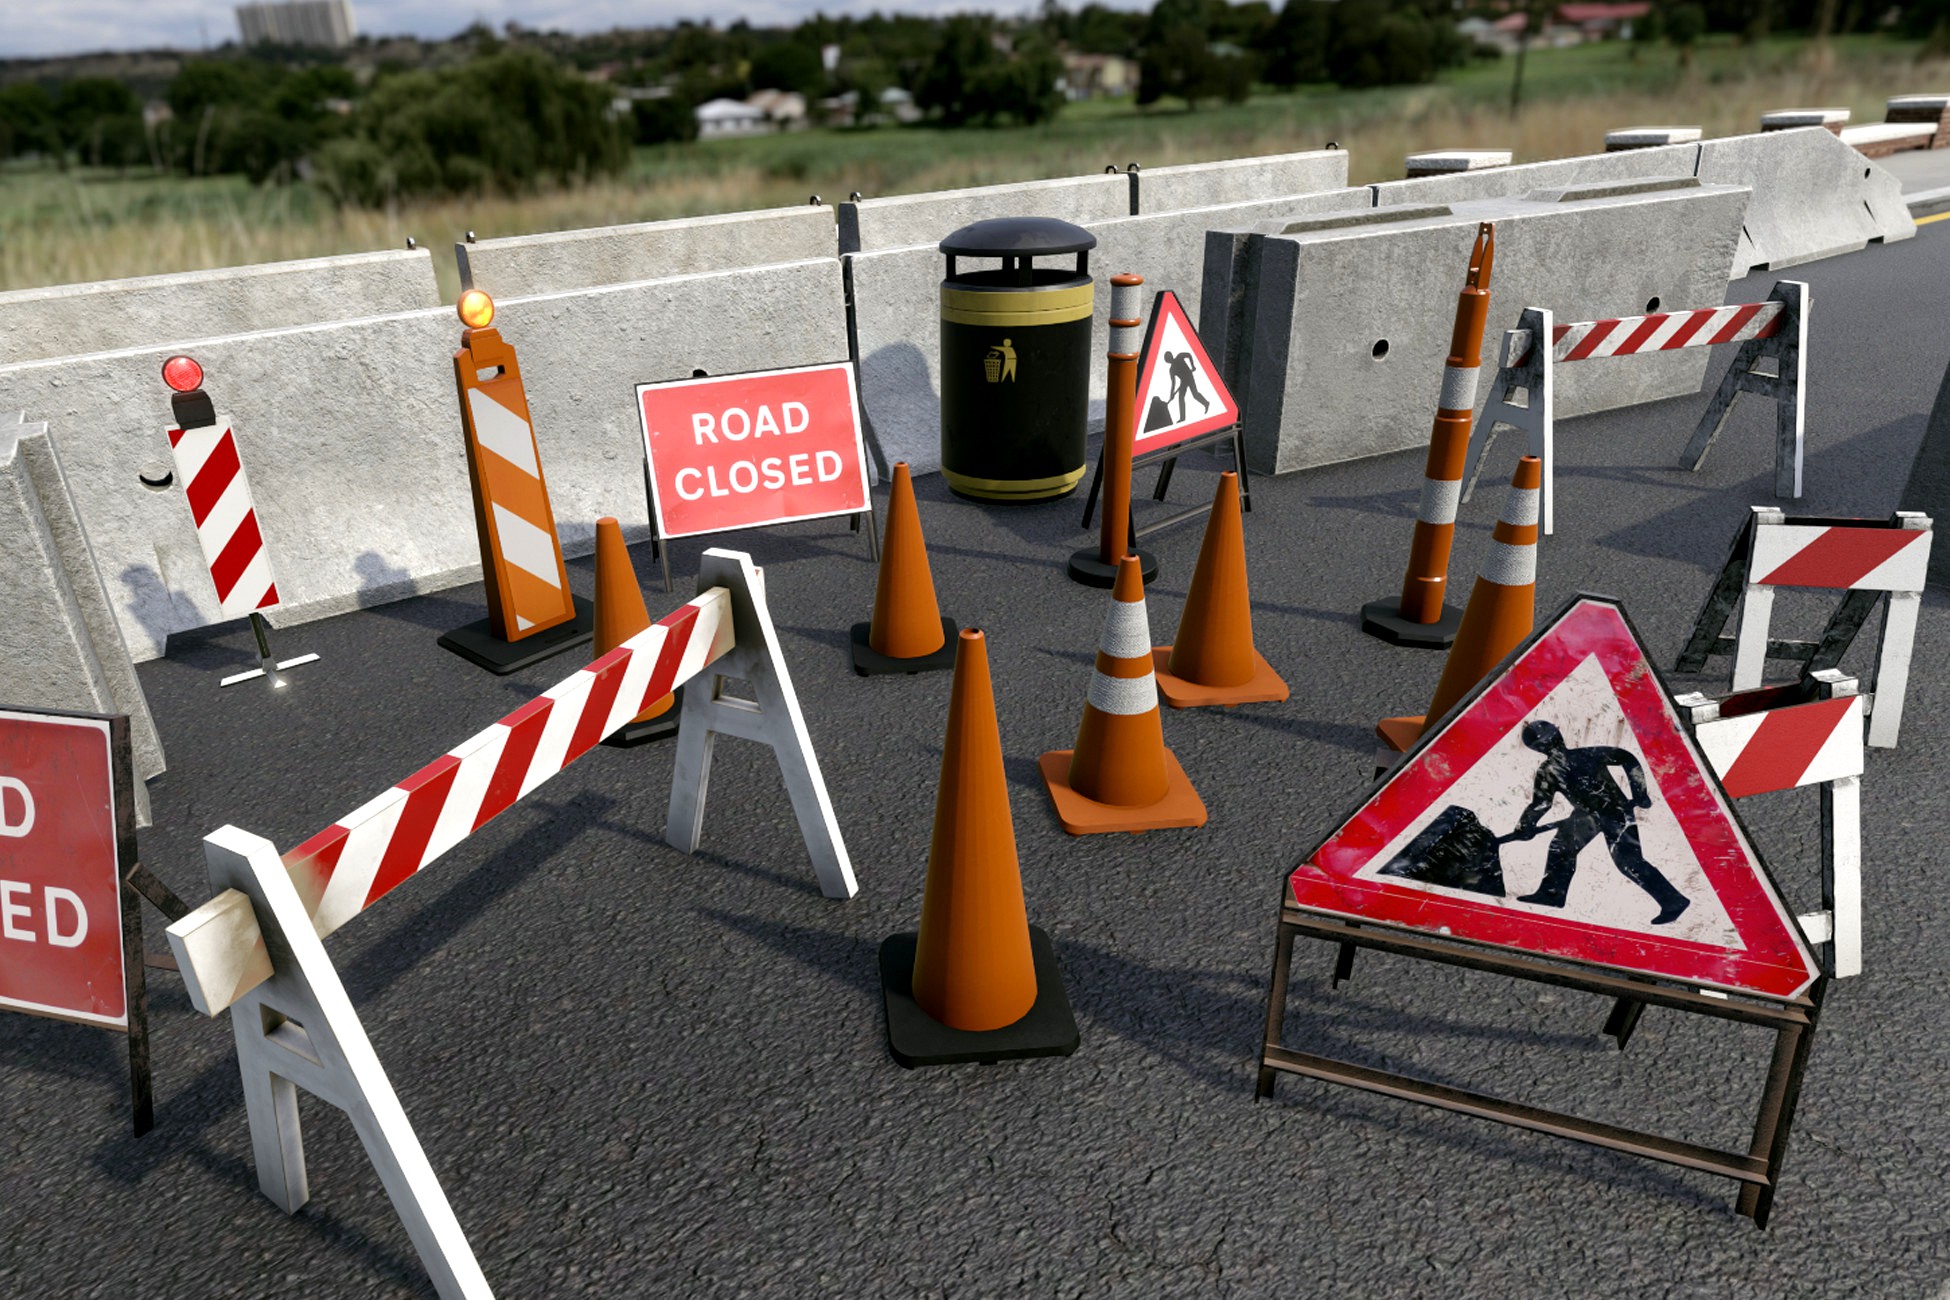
(747, 450)
(60, 869)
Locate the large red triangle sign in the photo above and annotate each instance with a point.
(1566, 812)
(1179, 392)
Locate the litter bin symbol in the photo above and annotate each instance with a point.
(1017, 433)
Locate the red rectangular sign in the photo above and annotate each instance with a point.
(741, 451)
(60, 869)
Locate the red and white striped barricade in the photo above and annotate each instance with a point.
(204, 449)
(1870, 559)
(257, 948)
(1780, 739)
(1776, 329)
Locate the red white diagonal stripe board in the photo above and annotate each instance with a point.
(1780, 749)
(352, 863)
(213, 481)
(1665, 331)
(1838, 557)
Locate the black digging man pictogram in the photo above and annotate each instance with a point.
(1184, 379)
(1598, 807)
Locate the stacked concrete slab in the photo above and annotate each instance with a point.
(580, 259)
(1236, 180)
(74, 319)
(896, 308)
(1350, 323)
(60, 645)
(351, 436)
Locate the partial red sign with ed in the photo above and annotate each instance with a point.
(60, 888)
(743, 451)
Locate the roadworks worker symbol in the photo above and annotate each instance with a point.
(1180, 394)
(1000, 363)
(1564, 811)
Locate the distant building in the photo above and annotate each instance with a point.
(721, 118)
(327, 23)
(1097, 76)
(784, 109)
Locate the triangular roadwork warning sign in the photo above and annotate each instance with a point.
(1563, 810)
(1180, 394)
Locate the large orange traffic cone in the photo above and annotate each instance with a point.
(907, 634)
(620, 615)
(978, 983)
(1502, 608)
(1214, 660)
(1120, 776)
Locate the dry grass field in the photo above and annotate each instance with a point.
(59, 228)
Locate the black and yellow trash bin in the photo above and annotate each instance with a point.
(1015, 360)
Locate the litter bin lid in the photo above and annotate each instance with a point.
(1018, 237)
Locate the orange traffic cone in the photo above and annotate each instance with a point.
(1120, 776)
(1214, 660)
(978, 983)
(907, 634)
(620, 615)
(1502, 608)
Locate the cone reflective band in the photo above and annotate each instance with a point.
(1426, 581)
(521, 560)
(1503, 606)
(213, 480)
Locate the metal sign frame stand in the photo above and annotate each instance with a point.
(1758, 1169)
(660, 551)
(1168, 456)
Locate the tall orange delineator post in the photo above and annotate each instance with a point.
(1502, 609)
(907, 633)
(1419, 617)
(1096, 566)
(978, 982)
(620, 615)
(532, 614)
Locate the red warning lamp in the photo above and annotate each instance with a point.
(183, 374)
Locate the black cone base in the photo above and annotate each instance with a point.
(917, 1038)
(869, 662)
(661, 727)
(1383, 618)
(478, 644)
(1086, 568)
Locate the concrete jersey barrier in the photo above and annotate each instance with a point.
(71, 320)
(1157, 190)
(904, 220)
(1814, 197)
(351, 434)
(895, 300)
(1349, 331)
(524, 265)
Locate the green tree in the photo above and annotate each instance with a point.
(789, 65)
(1296, 44)
(100, 119)
(27, 122)
(953, 84)
(1685, 24)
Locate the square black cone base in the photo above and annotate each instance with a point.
(1086, 568)
(917, 1038)
(477, 644)
(869, 662)
(661, 727)
(1383, 618)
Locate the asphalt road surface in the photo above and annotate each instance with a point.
(644, 1074)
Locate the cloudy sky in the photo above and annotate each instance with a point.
(39, 27)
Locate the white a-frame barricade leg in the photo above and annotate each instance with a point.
(1527, 368)
(772, 719)
(298, 1030)
(1787, 345)
(1758, 744)
(257, 947)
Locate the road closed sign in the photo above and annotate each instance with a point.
(741, 451)
(60, 869)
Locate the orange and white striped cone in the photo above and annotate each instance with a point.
(907, 633)
(1120, 776)
(978, 982)
(1214, 661)
(1502, 608)
(532, 614)
(620, 615)
(1418, 617)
